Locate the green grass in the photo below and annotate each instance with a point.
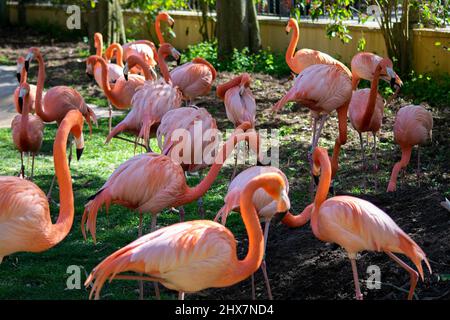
(43, 275)
(5, 61)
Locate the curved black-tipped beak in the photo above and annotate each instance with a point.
(125, 76)
(27, 65)
(172, 26)
(18, 77)
(179, 61)
(279, 216)
(79, 153)
(20, 104)
(316, 180)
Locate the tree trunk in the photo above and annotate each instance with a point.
(92, 15)
(237, 26)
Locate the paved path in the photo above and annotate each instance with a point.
(8, 83)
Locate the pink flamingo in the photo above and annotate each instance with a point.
(150, 102)
(195, 255)
(265, 206)
(25, 221)
(122, 92)
(27, 129)
(303, 58)
(163, 16)
(357, 225)
(21, 78)
(196, 128)
(114, 70)
(366, 106)
(413, 125)
(333, 93)
(194, 78)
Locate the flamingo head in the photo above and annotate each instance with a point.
(388, 74)
(20, 66)
(164, 16)
(98, 39)
(33, 52)
(276, 188)
(24, 90)
(90, 62)
(245, 83)
(292, 23)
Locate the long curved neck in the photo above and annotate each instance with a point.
(116, 49)
(24, 121)
(372, 99)
(144, 66)
(158, 30)
(105, 84)
(223, 154)
(23, 75)
(98, 46)
(295, 221)
(222, 89)
(163, 67)
(40, 89)
(61, 228)
(355, 81)
(292, 45)
(206, 63)
(322, 189)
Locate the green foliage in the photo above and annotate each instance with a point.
(264, 61)
(361, 44)
(433, 89)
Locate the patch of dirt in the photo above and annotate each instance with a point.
(299, 265)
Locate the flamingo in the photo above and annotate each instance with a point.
(27, 129)
(265, 206)
(195, 255)
(150, 102)
(358, 225)
(114, 70)
(22, 76)
(194, 78)
(115, 50)
(198, 128)
(333, 93)
(366, 106)
(147, 49)
(413, 125)
(25, 221)
(303, 58)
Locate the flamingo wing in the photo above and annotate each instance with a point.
(240, 108)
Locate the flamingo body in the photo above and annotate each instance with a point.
(357, 108)
(34, 133)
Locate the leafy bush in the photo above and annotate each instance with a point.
(264, 61)
(434, 89)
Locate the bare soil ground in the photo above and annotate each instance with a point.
(299, 265)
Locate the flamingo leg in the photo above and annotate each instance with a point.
(412, 273)
(155, 284)
(141, 283)
(182, 213)
(358, 293)
(364, 161)
(22, 167)
(253, 287)
(32, 168)
(375, 166)
(314, 142)
(418, 164)
(181, 295)
(263, 264)
(110, 117)
(70, 149)
(49, 193)
(201, 210)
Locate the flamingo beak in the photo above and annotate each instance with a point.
(279, 216)
(20, 103)
(79, 153)
(179, 60)
(18, 77)
(79, 143)
(125, 71)
(27, 65)
(29, 57)
(283, 204)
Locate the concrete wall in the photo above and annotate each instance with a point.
(427, 56)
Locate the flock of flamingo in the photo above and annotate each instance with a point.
(195, 255)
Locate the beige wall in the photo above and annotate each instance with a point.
(427, 56)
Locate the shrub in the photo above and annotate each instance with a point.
(434, 89)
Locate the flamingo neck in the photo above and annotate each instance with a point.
(355, 81)
(223, 154)
(39, 91)
(163, 67)
(23, 75)
(61, 228)
(158, 30)
(116, 49)
(406, 156)
(105, 84)
(292, 46)
(222, 89)
(295, 221)
(322, 190)
(98, 46)
(144, 66)
(370, 107)
(24, 122)
(209, 65)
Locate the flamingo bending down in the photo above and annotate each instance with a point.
(303, 58)
(357, 225)
(114, 70)
(198, 132)
(333, 93)
(152, 182)
(413, 125)
(27, 129)
(194, 78)
(195, 255)
(366, 107)
(265, 206)
(150, 102)
(25, 222)
(22, 76)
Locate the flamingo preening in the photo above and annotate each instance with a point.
(25, 222)
(413, 125)
(195, 255)
(22, 76)
(114, 70)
